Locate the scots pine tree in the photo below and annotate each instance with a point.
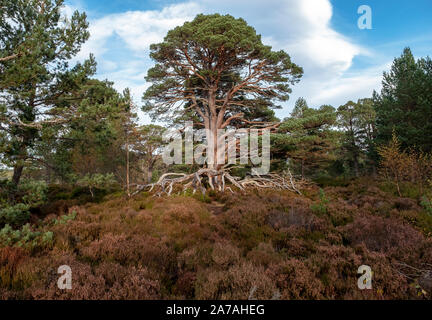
(37, 83)
(405, 103)
(216, 71)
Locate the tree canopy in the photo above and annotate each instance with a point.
(216, 70)
(405, 103)
(306, 137)
(37, 84)
(357, 120)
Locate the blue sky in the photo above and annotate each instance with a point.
(341, 62)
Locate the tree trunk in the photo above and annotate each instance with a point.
(356, 166)
(47, 175)
(148, 173)
(302, 168)
(127, 166)
(18, 169)
(212, 139)
(374, 170)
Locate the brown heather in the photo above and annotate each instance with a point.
(268, 244)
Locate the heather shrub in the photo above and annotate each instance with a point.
(110, 247)
(331, 273)
(74, 233)
(340, 216)
(56, 207)
(247, 224)
(183, 219)
(134, 251)
(238, 282)
(128, 282)
(264, 254)
(288, 245)
(386, 235)
(340, 212)
(196, 257)
(225, 254)
(388, 281)
(108, 280)
(184, 287)
(85, 284)
(295, 280)
(262, 245)
(336, 266)
(295, 216)
(10, 258)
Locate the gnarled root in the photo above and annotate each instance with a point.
(218, 180)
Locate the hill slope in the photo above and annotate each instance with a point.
(223, 246)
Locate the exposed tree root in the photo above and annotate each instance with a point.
(220, 180)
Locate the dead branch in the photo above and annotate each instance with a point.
(3, 59)
(38, 125)
(421, 275)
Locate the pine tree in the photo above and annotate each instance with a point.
(37, 85)
(216, 71)
(147, 144)
(357, 120)
(405, 103)
(307, 137)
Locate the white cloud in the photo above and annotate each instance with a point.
(338, 90)
(300, 27)
(138, 29)
(67, 10)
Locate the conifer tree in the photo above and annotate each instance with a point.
(405, 103)
(216, 71)
(307, 137)
(36, 82)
